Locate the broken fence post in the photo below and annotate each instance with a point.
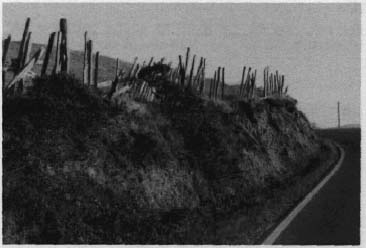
(26, 68)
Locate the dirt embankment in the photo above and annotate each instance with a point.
(77, 170)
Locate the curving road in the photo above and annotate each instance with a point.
(332, 217)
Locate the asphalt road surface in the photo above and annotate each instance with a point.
(332, 217)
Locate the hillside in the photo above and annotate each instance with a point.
(79, 170)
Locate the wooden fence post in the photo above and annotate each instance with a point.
(191, 74)
(223, 83)
(218, 81)
(48, 53)
(198, 73)
(85, 67)
(242, 82)
(203, 77)
(117, 67)
(253, 93)
(64, 57)
(187, 58)
(89, 58)
(267, 79)
(26, 68)
(131, 69)
(56, 65)
(150, 62)
(134, 74)
(21, 47)
(246, 84)
(181, 71)
(96, 67)
(265, 86)
(6, 45)
(27, 49)
(114, 82)
(212, 86)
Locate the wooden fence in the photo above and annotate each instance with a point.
(190, 74)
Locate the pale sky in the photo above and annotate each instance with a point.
(316, 46)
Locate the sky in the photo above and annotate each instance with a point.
(316, 46)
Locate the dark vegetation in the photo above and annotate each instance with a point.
(77, 169)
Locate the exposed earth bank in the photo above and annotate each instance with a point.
(77, 170)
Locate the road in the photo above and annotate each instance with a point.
(333, 215)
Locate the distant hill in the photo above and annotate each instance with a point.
(107, 65)
(354, 125)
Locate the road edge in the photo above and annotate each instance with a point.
(272, 237)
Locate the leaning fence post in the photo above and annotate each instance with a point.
(114, 83)
(198, 73)
(27, 49)
(64, 57)
(131, 69)
(48, 53)
(21, 47)
(56, 65)
(26, 68)
(150, 62)
(242, 82)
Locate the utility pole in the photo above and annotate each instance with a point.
(339, 117)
